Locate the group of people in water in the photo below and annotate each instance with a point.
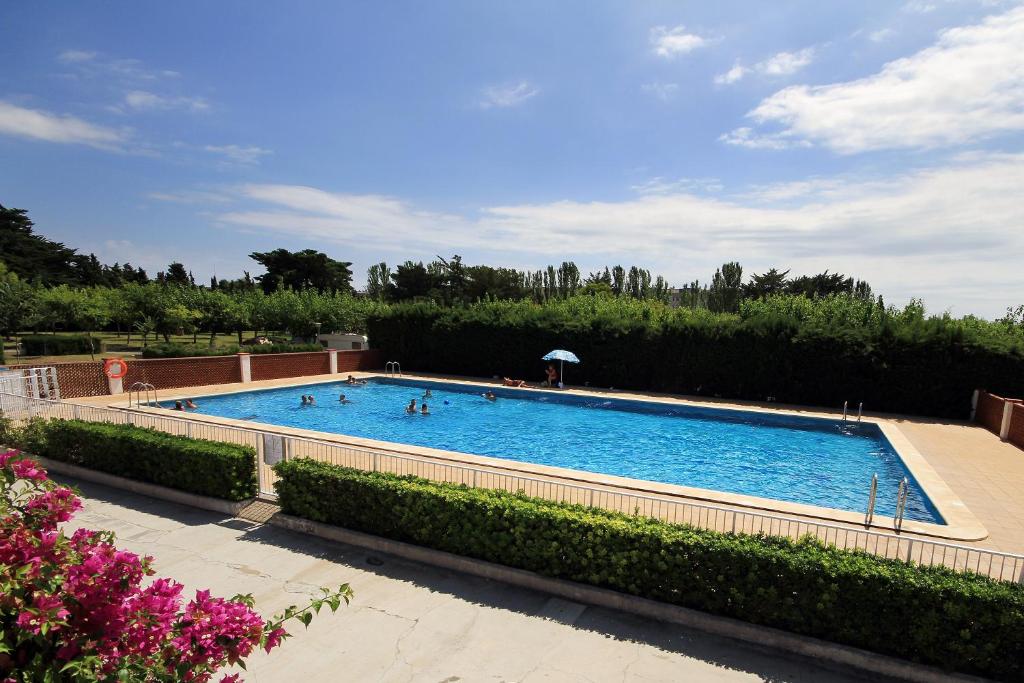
(189, 404)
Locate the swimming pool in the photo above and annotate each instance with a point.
(798, 459)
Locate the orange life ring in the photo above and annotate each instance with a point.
(115, 368)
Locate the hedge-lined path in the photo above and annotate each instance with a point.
(411, 622)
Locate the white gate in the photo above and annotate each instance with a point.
(27, 383)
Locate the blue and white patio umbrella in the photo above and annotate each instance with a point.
(561, 355)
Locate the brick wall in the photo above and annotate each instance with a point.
(351, 361)
(280, 365)
(1016, 436)
(87, 378)
(173, 373)
(989, 413)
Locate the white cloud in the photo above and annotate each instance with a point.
(671, 42)
(663, 91)
(786, 63)
(37, 124)
(749, 138)
(659, 185)
(238, 154)
(74, 56)
(731, 76)
(141, 100)
(966, 87)
(941, 233)
(779, 64)
(508, 95)
(881, 35)
(919, 7)
(191, 197)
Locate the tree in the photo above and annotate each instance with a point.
(410, 281)
(306, 269)
(177, 275)
(820, 285)
(378, 279)
(33, 257)
(726, 288)
(767, 284)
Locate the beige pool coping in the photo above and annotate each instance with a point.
(962, 525)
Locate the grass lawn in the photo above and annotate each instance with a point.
(116, 346)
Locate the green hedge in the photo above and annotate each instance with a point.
(209, 468)
(924, 367)
(59, 344)
(936, 616)
(174, 350)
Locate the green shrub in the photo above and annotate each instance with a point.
(59, 344)
(174, 350)
(815, 353)
(963, 622)
(209, 468)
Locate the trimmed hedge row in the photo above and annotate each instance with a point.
(961, 622)
(173, 350)
(209, 468)
(929, 367)
(59, 344)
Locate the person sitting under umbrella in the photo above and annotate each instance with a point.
(552, 377)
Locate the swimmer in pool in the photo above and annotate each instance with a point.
(178, 406)
(312, 401)
(411, 408)
(342, 399)
(423, 410)
(427, 394)
(305, 400)
(190, 404)
(490, 396)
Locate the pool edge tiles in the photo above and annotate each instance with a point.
(960, 523)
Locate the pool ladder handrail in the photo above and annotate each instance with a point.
(392, 368)
(860, 410)
(138, 389)
(901, 504)
(870, 515)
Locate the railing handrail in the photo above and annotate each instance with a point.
(772, 519)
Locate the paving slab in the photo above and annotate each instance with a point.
(410, 622)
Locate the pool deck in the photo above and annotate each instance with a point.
(971, 476)
(411, 622)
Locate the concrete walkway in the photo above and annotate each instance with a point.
(410, 622)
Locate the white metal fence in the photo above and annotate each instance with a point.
(271, 446)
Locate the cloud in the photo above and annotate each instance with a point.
(75, 56)
(671, 42)
(238, 154)
(881, 35)
(37, 124)
(191, 197)
(968, 86)
(733, 75)
(508, 95)
(141, 100)
(663, 91)
(749, 138)
(786, 63)
(935, 232)
(659, 185)
(779, 64)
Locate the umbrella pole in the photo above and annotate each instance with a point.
(561, 372)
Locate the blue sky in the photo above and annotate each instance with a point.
(882, 139)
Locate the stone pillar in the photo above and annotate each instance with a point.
(115, 385)
(245, 364)
(334, 360)
(1004, 430)
(974, 403)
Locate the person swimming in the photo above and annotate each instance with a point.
(423, 410)
(427, 394)
(411, 408)
(305, 400)
(190, 404)
(342, 399)
(312, 401)
(490, 396)
(178, 406)
(353, 380)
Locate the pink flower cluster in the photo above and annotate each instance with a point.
(77, 600)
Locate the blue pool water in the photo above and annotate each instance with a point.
(797, 459)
